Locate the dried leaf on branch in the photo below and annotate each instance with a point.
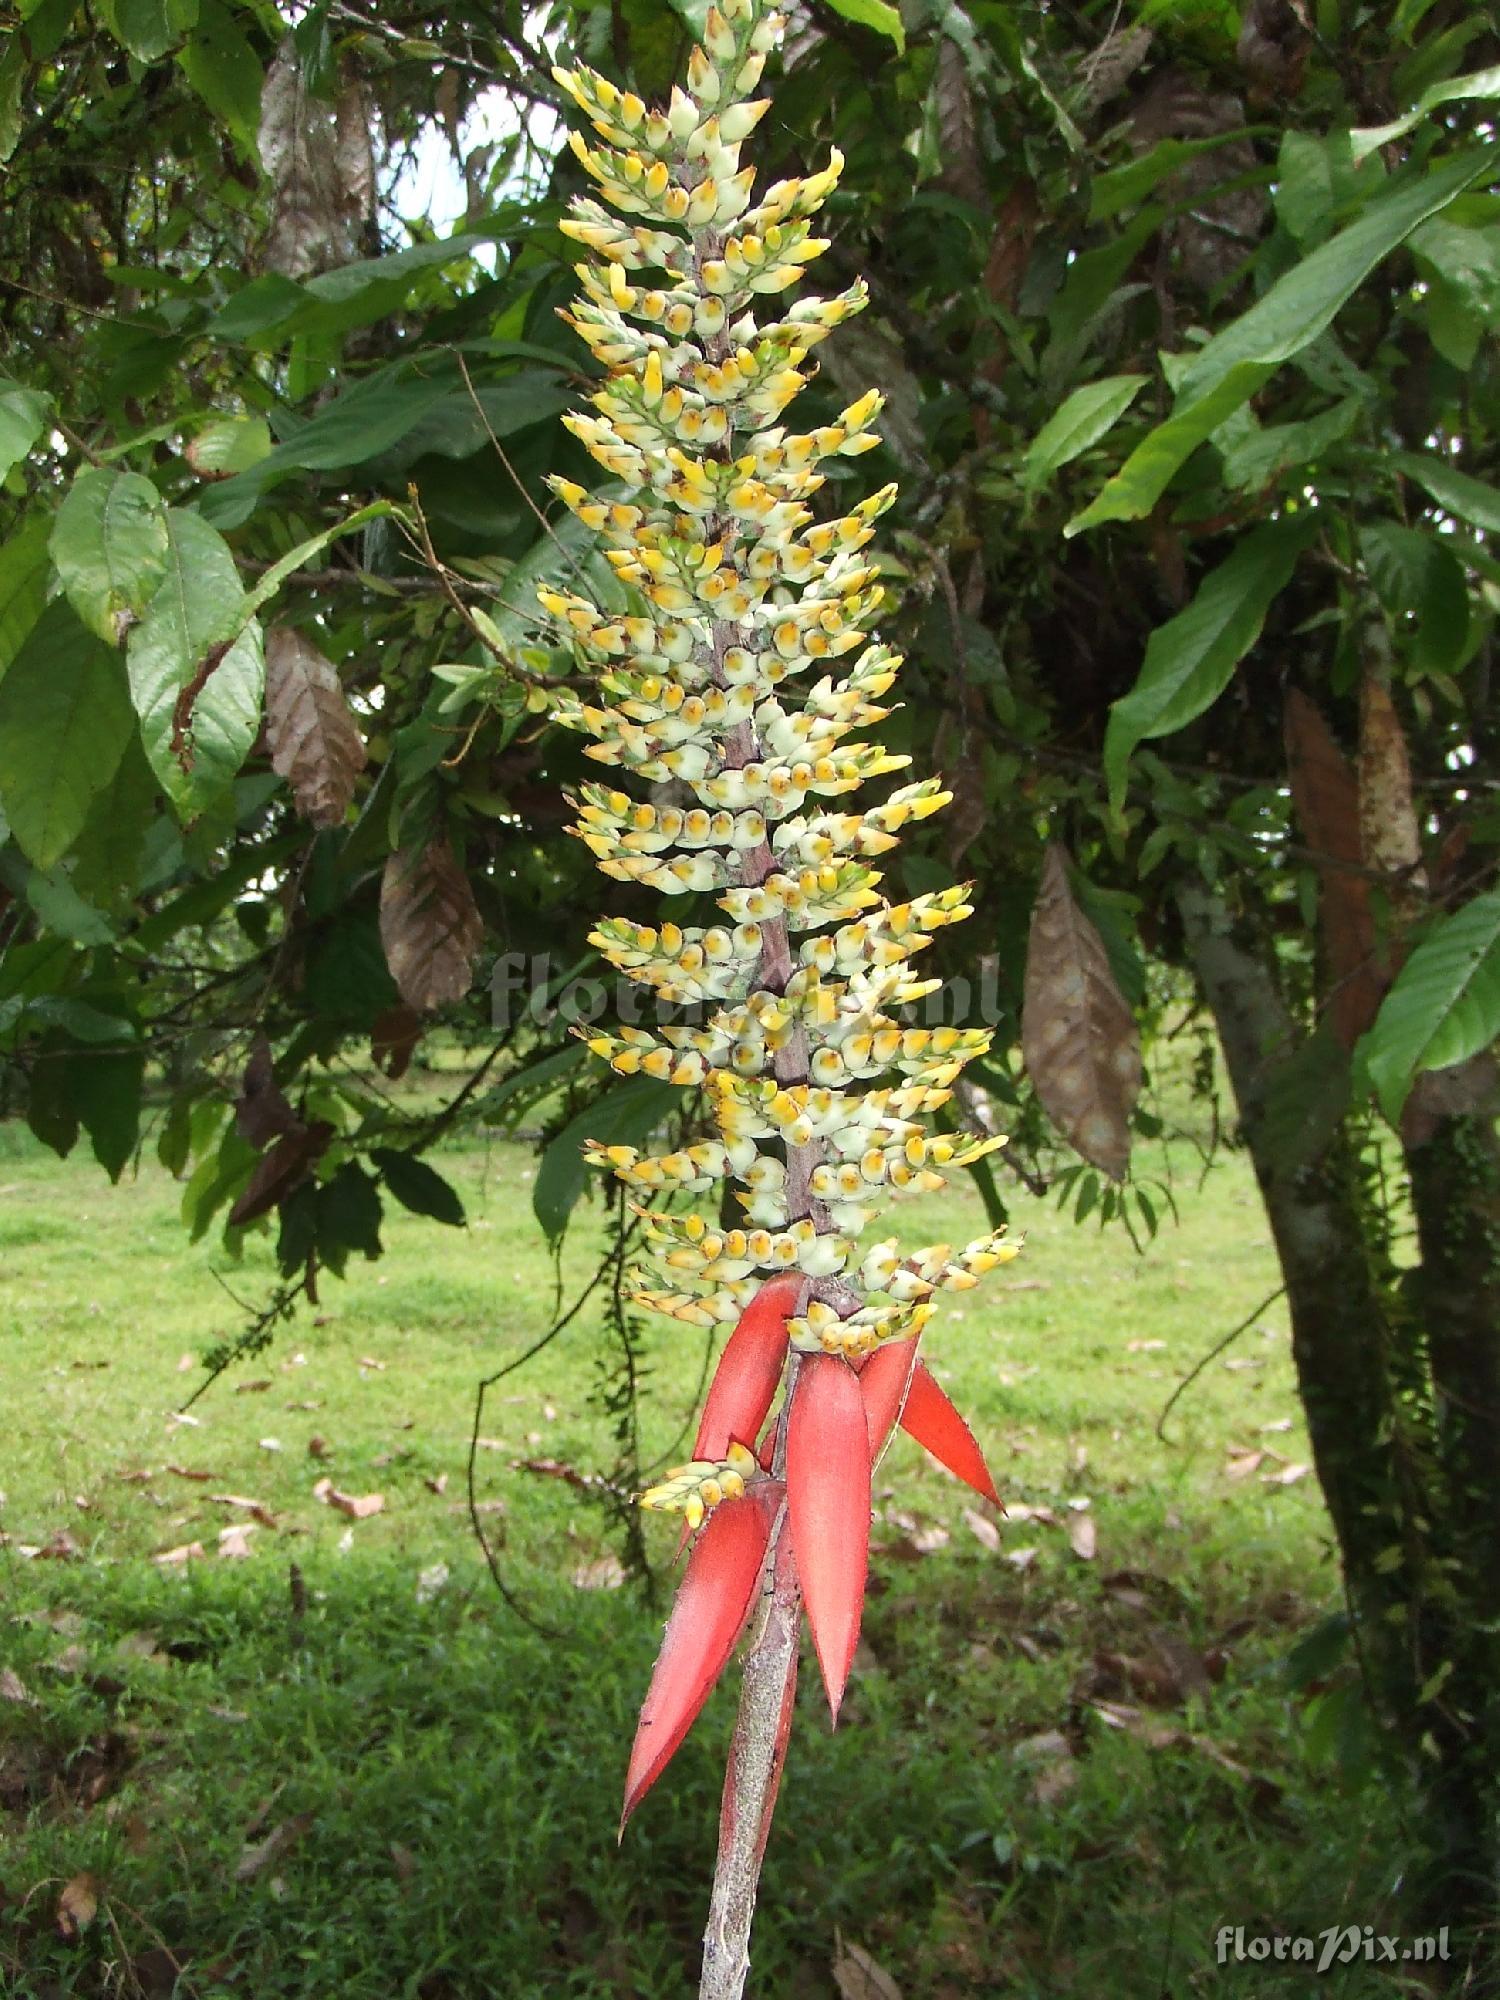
(1389, 837)
(1325, 797)
(429, 925)
(314, 741)
(1078, 1037)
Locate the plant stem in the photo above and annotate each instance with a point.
(756, 1755)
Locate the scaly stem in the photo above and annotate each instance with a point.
(756, 1756)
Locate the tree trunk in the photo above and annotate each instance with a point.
(1400, 1381)
(1455, 1186)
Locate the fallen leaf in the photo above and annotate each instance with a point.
(358, 1506)
(252, 1388)
(185, 1363)
(234, 1542)
(318, 1447)
(276, 1843)
(431, 1580)
(403, 1861)
(1241, 1464)
(71, 1660)
(78, 1905)
(858, 1977)
(134, 1475)
(603, 1573)
(983, 1529)
(1083, 1535)
(256, 1509)
(186, 1552)
(368, 1361)
(438, 1483)
(1022, 1510)
(60, 1547)
(191, 1472)
(1144, 1346)
(1277, 1424)
(13, 1688)
(271, 1444)
(1288, 1475)
(1020, 1558)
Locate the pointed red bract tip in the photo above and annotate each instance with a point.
(828, 1499)
(931, 1419)
(883, 1378)
(713, 1601)
(749, 1369)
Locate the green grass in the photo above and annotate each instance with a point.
(454, 1777)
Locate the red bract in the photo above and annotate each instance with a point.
(828, 1498)
(749, 1369)
(931, 1419)
(893, 1386)
(883, 1379)
(713, 1601)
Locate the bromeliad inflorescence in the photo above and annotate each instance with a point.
(732, 692)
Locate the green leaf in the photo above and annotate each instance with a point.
(1190, 659)
(1478, 83)
(621, 1117)
(1294, 312)
(199, 706)
(105, 1085)
(1260, 457)
(1464, 257)
(1111, 193)
(418, 1187)
(64, 723)
(23, 412)
(1444, 1006)
(1417, 576)
(1083, 419)
(223, 69)
(109, 543)
(349, 1212)
(1455, 492)
(24, 571)
(147, 28)
(876, 14)
(229, 445)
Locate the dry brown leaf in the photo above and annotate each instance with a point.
(234, 1542)
(261, 1111)
(191, 1472)
(603, 1573)
(1240, 1464)
(429, 926)
(1325, 795)
(1020, 1558)
(256, 1509)
(1144, 1346)
(1389, 837)
(275, 1844)
(858, 1977)
(255, 1388)
(60, 1547)
(313, 738)
(1286, 1475)
(13, 1688)
(983, 1529)
(285, 1166)
(393, 1040)
(78, 1905)
(438, 1483)
(318, 170)
(358, 1506)
(1079, 1039)
(318, 1447)
(1023, 1510)
(184, 1552)
(1083, 1536)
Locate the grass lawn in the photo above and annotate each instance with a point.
(1065, 1761)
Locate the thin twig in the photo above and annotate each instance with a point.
(1213, 1353)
